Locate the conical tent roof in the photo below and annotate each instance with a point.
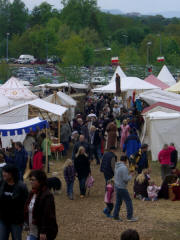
(120, 72)
(174, 88)
(127, 84)
(166, 77)
(15, 90)
(155, 81)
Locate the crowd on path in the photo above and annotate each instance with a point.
(106, 126)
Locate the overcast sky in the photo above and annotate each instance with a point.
(142, 6)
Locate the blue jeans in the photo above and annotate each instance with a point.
(66, 147)
(70, 189)
(82, 186)
(31, 237)
(122, 194)
(96, 151)
(6, 229)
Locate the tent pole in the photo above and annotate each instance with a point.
(59, 126)
(46, 166)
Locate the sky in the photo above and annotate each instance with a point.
(142, 6)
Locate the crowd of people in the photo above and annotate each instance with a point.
(107, 126)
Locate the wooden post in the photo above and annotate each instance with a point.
(59, 129)
(46, 166)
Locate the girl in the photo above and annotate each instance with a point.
(109, 198)
(152, 191)
(125, 128)
(69, 176)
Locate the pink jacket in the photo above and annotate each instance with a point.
(164, 156)
(109, 195)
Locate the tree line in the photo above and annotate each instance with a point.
(81, 34)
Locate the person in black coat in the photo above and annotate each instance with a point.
(13, 195)
(80, 143)
(108, 164)
(95, 144)
(141, 183)
(82, 168)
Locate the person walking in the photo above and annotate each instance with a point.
(40, 214)
(164, 158)
(95, 144)
(13, 195)
(82, 168)
(108, 164)
(78, 144)
(121, 179)
(125, 128)
(20, 159)
(112, 134)
(69, 176)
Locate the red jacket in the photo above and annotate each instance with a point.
(164, 156)
(38, 160)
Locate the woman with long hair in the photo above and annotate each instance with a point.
(141, 183)
(82, 168)
(40, 214)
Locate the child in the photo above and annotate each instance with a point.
(152, 191)
(141, 183)
(37, 158)
(69, 176)
(109, 198)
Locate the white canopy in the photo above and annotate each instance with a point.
(161, 128)
(15, 90)
(127, 83)
(166, 77)
(64, 84)
(20, 113)
(120, 72)
(63, 99)
(159, 95)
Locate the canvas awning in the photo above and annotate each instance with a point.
(26, 126)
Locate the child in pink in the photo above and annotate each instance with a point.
(152, 190)
(109, 198)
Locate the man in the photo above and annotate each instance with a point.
(132, 144)
(13, 195)
(20, 159)
(80, 143)
(141, 158)
(65, 135)
(121, 179)
(95, 144)
(174, 155)
(108, 164)
(28, 143)
(85, 131)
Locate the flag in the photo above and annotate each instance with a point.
(160, 59)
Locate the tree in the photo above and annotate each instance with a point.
(41, 14)
(4, 72)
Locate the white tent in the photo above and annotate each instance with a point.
(120, 72)
(127, 84)
(16, 91)
(161, 128)
(158, 95)
(5, 103)
(166, 77)
(63, 99)
(21, 112)
(62, 85)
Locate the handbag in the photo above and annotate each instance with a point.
(89, 182)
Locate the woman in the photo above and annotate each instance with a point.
(164, 158)
(13, 195)
(124, 132)
(37, 158)
(40, 212)
(141, 183)
(112, 135)
(82, 168)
